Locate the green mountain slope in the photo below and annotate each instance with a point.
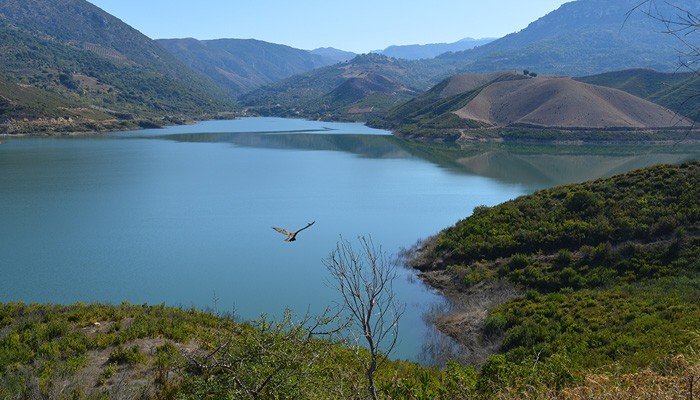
(316, 94)
(584, 37)
(679, 92)
(79, 53)
(240, 66)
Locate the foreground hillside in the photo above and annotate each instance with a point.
(508, 105)
(93, 71)
(586, 37)
(598, 275)
(357, 90)
(138, 352)
(240, 66)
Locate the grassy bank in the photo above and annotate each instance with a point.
(608, 272)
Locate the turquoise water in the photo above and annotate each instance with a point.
(183, 215)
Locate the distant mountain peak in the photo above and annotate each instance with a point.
(431, 50)
(334, 54)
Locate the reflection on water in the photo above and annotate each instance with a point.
(549, 165)
(372, 146)
(535, 166)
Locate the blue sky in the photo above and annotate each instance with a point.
(359, 25)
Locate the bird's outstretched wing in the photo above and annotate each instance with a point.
(283, 231)
(306, 227)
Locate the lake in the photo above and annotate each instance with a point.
(183, 215)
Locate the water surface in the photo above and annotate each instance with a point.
(183, 215)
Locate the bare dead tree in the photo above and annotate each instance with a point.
(680, 23)
(364, 278)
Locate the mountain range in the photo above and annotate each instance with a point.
(580, 38)
(66, 65)
(426, 51)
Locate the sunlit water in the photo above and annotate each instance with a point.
(183, 215)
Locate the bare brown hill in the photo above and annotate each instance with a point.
(567, 104)
(466, 83)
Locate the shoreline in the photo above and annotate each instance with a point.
(553, 137)
(74, 129)
(447, 139)
(464, 318)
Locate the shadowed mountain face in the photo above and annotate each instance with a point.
(584, 37)
(242, 65)
(91, 66)
(425, 51)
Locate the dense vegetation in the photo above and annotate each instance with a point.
(83, 58)
(609, 268)
(637, 209)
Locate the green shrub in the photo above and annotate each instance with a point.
(107, 373)
(130, 356)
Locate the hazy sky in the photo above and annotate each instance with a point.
(359, 25)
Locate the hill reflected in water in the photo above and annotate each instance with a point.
(531, 165)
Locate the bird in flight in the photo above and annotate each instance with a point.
(292, 236)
